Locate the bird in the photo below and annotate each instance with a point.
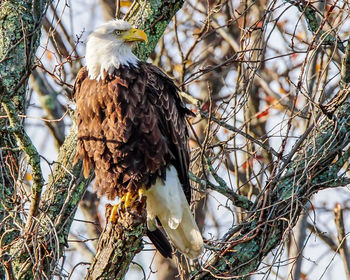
(132, 131)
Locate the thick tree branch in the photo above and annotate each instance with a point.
(312, 169)
(153, 17)
(345, 69)
(118, 244)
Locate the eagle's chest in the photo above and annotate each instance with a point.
(130, 114)
(117, 108)
(126, 124)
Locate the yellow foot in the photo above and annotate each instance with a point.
(125, 202)
(130, 199)
(116, 208)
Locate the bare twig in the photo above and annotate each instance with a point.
(323, 236)
(33, 157)
(81, 246)
(50, 104)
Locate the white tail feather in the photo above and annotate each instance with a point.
(186, 237)
(167, 201)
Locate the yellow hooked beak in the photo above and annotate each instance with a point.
(135, 35)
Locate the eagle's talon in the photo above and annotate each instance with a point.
(129, 199)
(117, 208)
(114, 213)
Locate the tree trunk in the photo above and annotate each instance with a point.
(20, 23)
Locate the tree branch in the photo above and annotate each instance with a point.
(27, 146)
(153, 17)
(312, 170)
(118, 244)
(323, 236)
(20, 24)
(237, 199)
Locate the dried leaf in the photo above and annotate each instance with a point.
(263, 114)
(125, 3)
(49, 55)
(28, 177)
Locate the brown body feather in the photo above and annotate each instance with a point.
(131, 127)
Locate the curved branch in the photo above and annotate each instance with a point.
(27, 146)
(118, 245)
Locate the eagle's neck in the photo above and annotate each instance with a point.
(104, 57)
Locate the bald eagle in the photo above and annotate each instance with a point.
(132, 130)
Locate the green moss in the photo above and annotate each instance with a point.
(12, 44)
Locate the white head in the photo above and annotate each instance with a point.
(109, 46)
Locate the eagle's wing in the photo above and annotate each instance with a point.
(171, 120)
(167, 201)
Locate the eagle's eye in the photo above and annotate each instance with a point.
(118, 32)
